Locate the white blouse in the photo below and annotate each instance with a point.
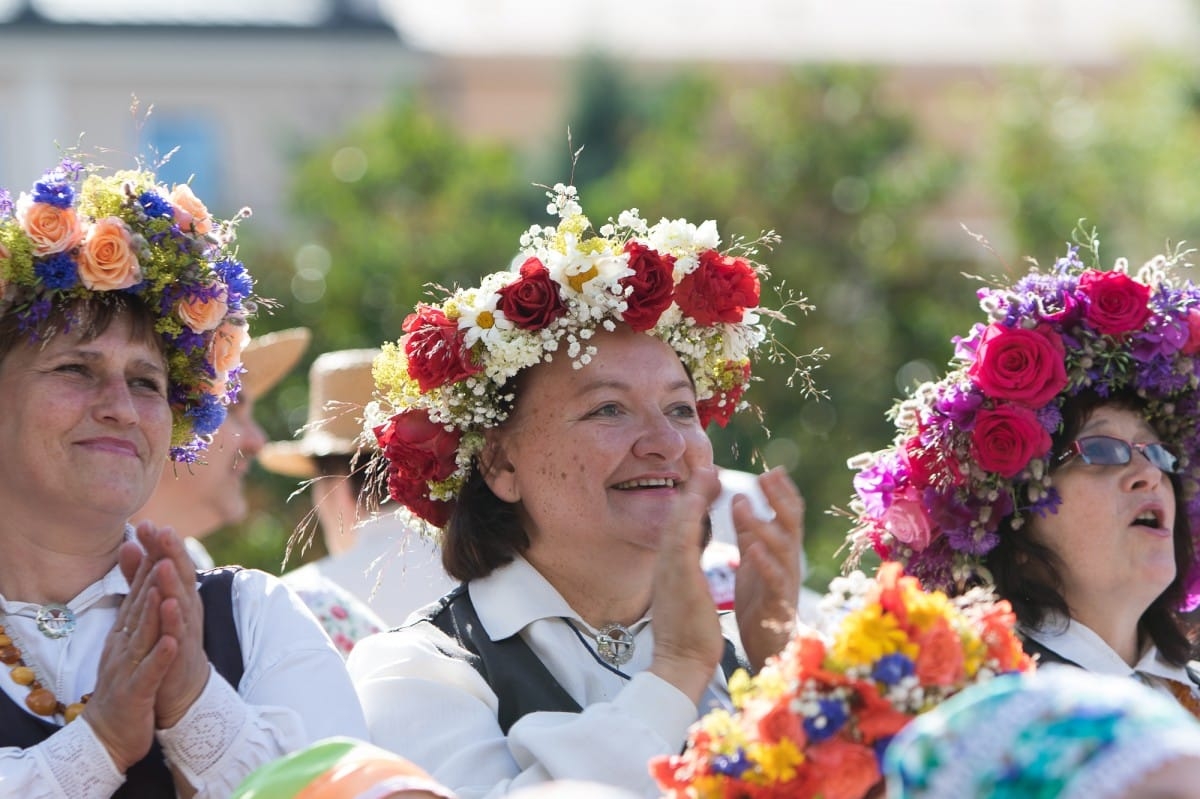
(438, 712)
(293, 692)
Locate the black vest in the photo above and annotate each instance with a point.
(520, 680)
(150, 778)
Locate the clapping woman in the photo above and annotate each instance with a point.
(121, 325)
(551, 422)
(1059, 460)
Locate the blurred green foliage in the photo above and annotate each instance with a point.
(859, 192)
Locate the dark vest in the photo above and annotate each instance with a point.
(150, 778)
(520, 680)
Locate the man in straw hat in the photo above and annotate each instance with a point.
(379, 560)
(198, 499)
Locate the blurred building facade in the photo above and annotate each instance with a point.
(236, 90)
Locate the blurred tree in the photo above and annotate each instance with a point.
(1121, 153)
(397, 202)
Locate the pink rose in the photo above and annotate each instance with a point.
(652, 284)
(107, 261)
(906, 520)
(1019, 365)
(1193, 327)
(204, 313)
(1007, 438)
(190, 213)
(50, 228)
(531, 302)
(719, 290)
(1116, 302)
(225, 352)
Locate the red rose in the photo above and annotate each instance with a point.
(653, 284)
(720, 290)
(434, 346)
(532, 302)
(848, 770)
(720, 406)
(1007, 438)
(414, 495)
(1116, 303)
(779, 723)
(1019, 365)
(940, 660)
(416, 446)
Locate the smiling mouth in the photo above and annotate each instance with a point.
(656, 482)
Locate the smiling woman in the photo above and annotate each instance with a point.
(122, 320)
(552, 422)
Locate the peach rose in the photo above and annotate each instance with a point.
(107, 260)
(225, 352)
(52, 229)
(190, 213)
(201, 314)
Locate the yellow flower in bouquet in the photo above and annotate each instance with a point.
(816, 720)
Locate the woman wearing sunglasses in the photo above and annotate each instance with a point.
(1058, 462)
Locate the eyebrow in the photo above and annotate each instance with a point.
(91, 356)
(621, 385)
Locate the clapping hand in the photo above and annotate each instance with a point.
(768, 580)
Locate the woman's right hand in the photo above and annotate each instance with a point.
(687, 634)
(135, 659)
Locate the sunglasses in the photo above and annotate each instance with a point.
(1109, 451)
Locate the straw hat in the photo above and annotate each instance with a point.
(339, 386)
(269, 357)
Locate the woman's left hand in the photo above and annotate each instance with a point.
(182, 614)
(769, 577)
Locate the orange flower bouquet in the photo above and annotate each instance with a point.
(815, 720)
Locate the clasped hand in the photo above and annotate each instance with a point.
(153, 666)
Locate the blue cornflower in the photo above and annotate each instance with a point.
(58, 193)
(731, 765)
(155, 205)
(57, 272)
(829, 719)
(235, 276)
(207, 415)
(891, 669)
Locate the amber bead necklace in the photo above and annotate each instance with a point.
(41, 700)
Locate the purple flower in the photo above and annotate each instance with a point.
(1163, 337)
(877, 483)
(1050, 418)
(6, 204)
(958, 403)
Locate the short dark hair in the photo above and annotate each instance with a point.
(92, 315)
(1036, 592)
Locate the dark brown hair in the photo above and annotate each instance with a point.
(92, 316)
(1028, 574)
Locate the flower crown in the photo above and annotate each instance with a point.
(83, 236)
(448, 378)
(815, 721)
(975, 447)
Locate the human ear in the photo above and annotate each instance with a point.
(497, 468)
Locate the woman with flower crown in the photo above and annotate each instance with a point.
(122, 320)
(1059, 460)
(551, 422)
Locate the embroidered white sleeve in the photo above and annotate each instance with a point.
(206, 732)
(77, 763)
